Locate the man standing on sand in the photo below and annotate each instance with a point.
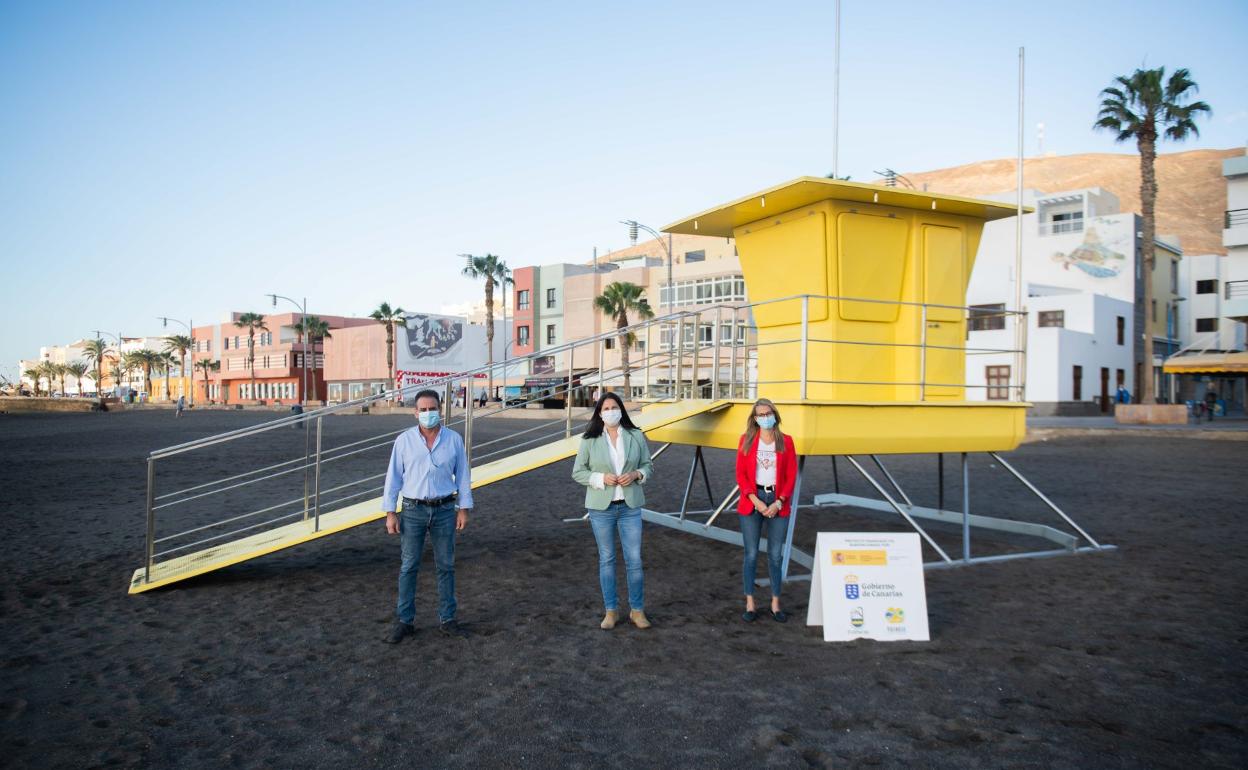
(429, 468)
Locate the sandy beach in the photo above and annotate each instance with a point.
(1128, 659)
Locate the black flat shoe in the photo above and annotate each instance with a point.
(749, 616)
(399, 631)
(452, 628)
(780, 616)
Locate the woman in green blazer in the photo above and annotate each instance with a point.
(613, 463)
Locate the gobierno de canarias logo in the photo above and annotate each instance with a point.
(851, 587)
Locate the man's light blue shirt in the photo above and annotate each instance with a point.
(425, 474)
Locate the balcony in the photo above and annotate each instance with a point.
(1235, 300)
(1235, 228)
(1061, 227)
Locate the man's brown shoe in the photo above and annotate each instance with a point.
(639, 618)
(610, 620)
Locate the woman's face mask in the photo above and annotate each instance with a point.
(610, 415)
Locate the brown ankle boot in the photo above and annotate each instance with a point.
(639, 618)
(609, 621)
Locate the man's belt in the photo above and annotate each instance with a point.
(432, 502)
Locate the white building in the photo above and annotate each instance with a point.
(1082, 279)
(1235, 239)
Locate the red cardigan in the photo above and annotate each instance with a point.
(786, 474)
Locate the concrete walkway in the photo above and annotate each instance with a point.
(1230, 428)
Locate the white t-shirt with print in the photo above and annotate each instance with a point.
(765, 470)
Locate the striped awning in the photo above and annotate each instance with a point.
(1208, 363)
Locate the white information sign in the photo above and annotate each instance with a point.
(868, 585)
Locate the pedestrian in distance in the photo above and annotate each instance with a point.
(613, 463)
(766, 475)
(179, 406)
(1211, 402)
(429, 470)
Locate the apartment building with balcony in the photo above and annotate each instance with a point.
(1235, 239)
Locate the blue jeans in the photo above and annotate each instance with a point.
(751, 531)
(605, 523)
(415, 522)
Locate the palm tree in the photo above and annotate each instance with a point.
(164, 365)
(207, 365)
(388, 317)
(34, 373)
(78, 370)
(491, 268)
(616, 301)
(95, 350)
(317, 330)
(122, 365)
(180, 344)
(147, 360)
(252, 322)
(57, 372)
(1145, 107)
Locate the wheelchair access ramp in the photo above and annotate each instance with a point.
(234, 547)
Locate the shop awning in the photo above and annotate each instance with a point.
(1208, 363)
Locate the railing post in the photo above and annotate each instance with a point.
(470, 398)
(151, 519)
(316, 488)
(923, 354)
(715, 340)
(567, 398)
(966, 510)
(805, 339)
(448, 404)
(694, 379)
(679, 347)
(732, 367)
(649, 353)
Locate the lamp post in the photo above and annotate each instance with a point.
(633, 227)
(303, 317)
(165, 324)
(99, 394)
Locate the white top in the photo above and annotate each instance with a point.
(765, 470)
(616, 450)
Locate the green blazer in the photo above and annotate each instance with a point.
(594, 456)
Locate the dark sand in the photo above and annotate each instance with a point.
(1131, 659)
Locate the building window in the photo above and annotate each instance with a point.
(550, 298)
(1207, 287)
(704, 291)
(695, 256)
(1122, 378)
(1056, 318)
(227, 343)
(987, 317)
(550, 333)
(522, 336)
(1078, 383)
(1070, 222)
(1154, 311)
(522, 299)
(998, 378)
(1122, 330)
(1206, 324)
(609, 343)
(1174, 276)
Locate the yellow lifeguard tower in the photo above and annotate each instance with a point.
(858, 326)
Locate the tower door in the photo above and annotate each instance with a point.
(943, 360)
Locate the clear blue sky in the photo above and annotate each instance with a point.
(185, 158)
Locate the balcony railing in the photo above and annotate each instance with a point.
(1061, 226)
(1235, 218)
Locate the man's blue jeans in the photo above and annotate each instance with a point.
(627, 521)
(415, 522)
(751, 531)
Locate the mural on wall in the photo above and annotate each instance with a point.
(1093, 257)
(432, 336)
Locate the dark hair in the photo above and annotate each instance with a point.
(594, 429)
(429, 394)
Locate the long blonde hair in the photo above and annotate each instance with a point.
(752, 429)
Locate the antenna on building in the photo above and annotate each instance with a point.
(1040, 140)
(891, 178)
(595, 259)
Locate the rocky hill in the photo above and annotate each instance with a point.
(1191, 196)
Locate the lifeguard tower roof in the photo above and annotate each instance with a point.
(803, 191)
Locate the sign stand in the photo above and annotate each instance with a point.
(868, 585)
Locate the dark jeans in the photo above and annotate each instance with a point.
(415, 522)
(751, 530)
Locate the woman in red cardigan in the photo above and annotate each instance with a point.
(766, 473)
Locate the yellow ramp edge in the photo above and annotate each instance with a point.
(652, 417)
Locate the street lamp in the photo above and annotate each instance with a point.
(165, 325)
(303, 317)
(117, 337)
(633, 227)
